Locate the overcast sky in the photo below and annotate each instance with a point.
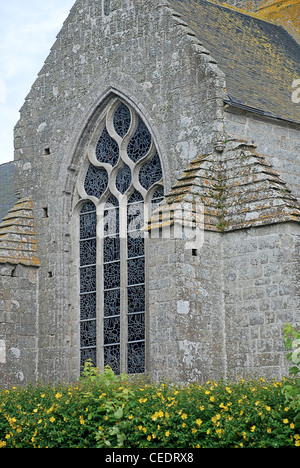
(28, 29)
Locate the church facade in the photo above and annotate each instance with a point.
(157, 173)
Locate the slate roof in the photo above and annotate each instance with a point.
(17, 235)
(7, 188)
(260, 59)
(286, 12)
(237, 187)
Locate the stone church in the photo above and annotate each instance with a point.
(151, 218)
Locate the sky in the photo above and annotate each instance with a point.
(28, 29)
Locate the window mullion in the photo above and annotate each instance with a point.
(124, 301)
(100, 281)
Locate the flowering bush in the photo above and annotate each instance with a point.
(117, 412)
(292, 390)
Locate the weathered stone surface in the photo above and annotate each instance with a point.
(18, 243)
(213, 310)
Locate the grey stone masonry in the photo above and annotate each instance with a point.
(186, 314)
(18, 325)
(261, 294)
(141, 52)
(278, 141)
(212, 311)
(221, 312)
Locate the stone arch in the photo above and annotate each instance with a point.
(100, 178)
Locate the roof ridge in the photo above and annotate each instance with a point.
(260, 58)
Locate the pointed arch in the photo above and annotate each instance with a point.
(121, 176)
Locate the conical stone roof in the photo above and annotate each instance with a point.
(18, 243)
(237, 188)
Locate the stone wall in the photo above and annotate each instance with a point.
(142, 52)
(207, 316)
(261, 291)
(221, 312)
(187, 328)
(18, 325)
(278, 141)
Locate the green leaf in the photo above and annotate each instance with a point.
(119, 413)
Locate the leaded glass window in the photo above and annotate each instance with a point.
(123, 184)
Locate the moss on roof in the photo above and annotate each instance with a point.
(260, 59)
(284, 11)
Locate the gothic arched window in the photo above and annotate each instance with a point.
(122, 184)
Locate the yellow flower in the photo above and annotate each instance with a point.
(228, 390)
(212, 398)
(157, 414)
(184, 416)
(269, 430)
(58, 395)
(216, 418)
(149, 438)
(268, 408)
(292, 426)
(252, 428)
(82, 421)
(52, 419)
(201, 408)
(2, 444)
(168, 433)
(297, 443)
(35, 410)
(130, 417)
(225, 408)
(199, 422)
(143, 400)
(286, 421)
(194, 431)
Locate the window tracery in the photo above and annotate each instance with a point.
(112, 245)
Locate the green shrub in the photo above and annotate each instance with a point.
(291, 390)
(104, 410)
